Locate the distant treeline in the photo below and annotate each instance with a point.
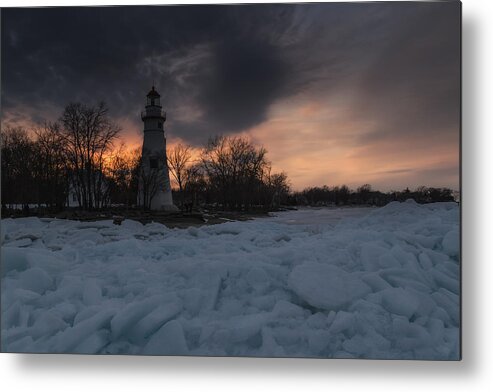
(365, 195)
(74, 162)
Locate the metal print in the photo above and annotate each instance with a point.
(269, 180)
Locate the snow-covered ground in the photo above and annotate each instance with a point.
(336, 283)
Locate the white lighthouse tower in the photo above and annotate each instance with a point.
(154, 184)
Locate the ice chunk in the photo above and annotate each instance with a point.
(131, 313)
(86, 313)
(20, 243)
(399, 301)
(92, 294)
(258, 279)
(46, 260)
(425, 261)
(443, 280)
(437, 329)
(317, 320)
(269, 345)
(286, 336)
(154, 320)
(264, 302)
(93, 343)
(35, 279)
(48, 323)
(244, 327)
(71, 338)
(66, 310)
(22, 345)
(212, 283)
(342, 322)
(326, 286)
(26, 296)
(13, 259)
(410, 336)
(318, 340)
(331, 317)
(448, 304)
(375, 281)
(436, 257)
(25, 315)
(132, 225)
(192, 300)
(370, 254)
(388, 260)
(193, 231)
(86, 237)
(426, 303)
(451, 243)
(369, 345)
(10, 316)
(282, 237)
(168, 340)
(288, 309)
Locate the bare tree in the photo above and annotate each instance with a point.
(364, 193)
(18, 167)
(194, 185)
(235, 168)
(122, 172)
(52, 165)
(88, 135)
(179, 158)
(279, 188)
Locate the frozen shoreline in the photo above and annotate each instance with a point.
(336, 283)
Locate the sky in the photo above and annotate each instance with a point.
(338, 93)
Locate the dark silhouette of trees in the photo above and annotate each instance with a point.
(277, 189)
(179, 158)
(87, 135)
(195, 188)
(51, 162)
(18, 167)
(123, 176)
(365, 195)
(238, 173)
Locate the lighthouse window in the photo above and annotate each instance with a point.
(160, 125)
(153, 163)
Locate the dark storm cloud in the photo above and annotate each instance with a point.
(414, 82)
(220, 68)
(246, 78)
(59, 55)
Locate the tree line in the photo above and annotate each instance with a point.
(69, 156)
(366, 195)
(76, 161)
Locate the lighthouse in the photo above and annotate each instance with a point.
(154, 183)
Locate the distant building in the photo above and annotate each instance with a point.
(154, 183)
